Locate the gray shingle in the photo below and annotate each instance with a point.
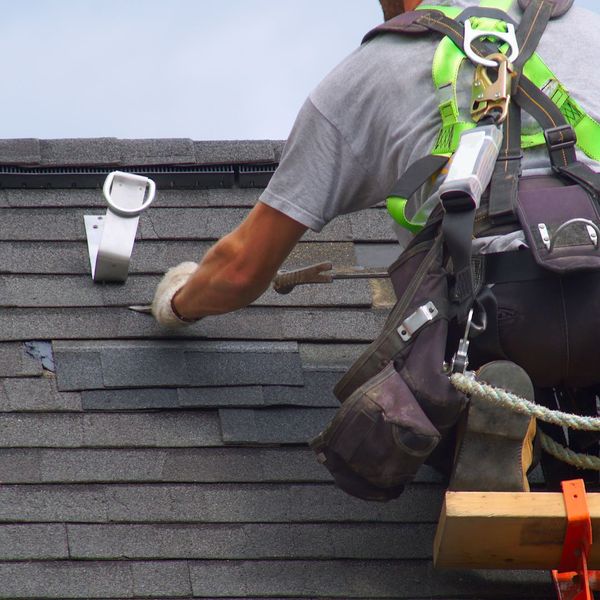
(257, 323)
(161, 578)
(64, 291)
(20, 466)
(169, 465)
(76, 365)
(148, 364)
(32, 395)
(15, 362)
(165, 151)
(131, 399)
(81, 151)
(36, 541)
(181, 429)
(317, 391)
(49, 503)
(155, 398)
(249, 541)
(268, 503)
(376, 255)
(272, 426)
(205, 397)
(330, 357)
(69, 198)
(30, 224)
(179, 223)
(49, 258)
(218, 152)
(64, 430)
(352, 579)
(209, 503)
(23, 152)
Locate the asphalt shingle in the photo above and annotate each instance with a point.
(35, 395)
(15, 362)
(272, 426)
(246, 541)
(150, 364)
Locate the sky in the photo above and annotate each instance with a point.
(200, 69)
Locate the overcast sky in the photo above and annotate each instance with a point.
(204, 69)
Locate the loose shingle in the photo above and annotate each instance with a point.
(77, 365)
(317, 391)
(249, 541)
(206, 397)
(130, 399)
(148, 364)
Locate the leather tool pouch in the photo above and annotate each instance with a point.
(396, 399)
(562, 227)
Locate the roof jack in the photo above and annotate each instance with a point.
(111, 237)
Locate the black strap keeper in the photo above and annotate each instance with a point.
(561, 137)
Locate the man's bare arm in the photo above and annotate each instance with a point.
(240, 266)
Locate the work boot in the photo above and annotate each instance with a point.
(495, 449)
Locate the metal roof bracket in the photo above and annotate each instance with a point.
(111, 237)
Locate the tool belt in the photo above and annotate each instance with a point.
(399, 409)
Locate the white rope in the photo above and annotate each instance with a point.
(472, 387)
(501, 397)
(581, 461)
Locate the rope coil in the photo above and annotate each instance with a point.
(470, 386)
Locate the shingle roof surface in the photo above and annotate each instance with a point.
(152, 464)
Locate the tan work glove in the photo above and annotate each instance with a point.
(162, 309)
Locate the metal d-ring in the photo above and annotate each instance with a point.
(472, 34)
(144, 182)
(595, 239)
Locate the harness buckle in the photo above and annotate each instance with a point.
(492, 98)
(460, 361)
(560, 137)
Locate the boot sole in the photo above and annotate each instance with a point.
(497, 443)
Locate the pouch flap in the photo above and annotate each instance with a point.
(562, 227)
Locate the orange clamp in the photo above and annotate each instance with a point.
(572, 579)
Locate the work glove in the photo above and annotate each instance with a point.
(162, 309)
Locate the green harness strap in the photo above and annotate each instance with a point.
(447, 61)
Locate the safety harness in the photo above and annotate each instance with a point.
(399, 407)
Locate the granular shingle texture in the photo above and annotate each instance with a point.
(141, 463)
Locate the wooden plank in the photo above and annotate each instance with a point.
(501, 530)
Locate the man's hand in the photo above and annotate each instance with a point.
(233, 273)
(162, 307)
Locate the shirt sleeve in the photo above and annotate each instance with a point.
(319, 177)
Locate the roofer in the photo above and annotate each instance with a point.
(359, 131)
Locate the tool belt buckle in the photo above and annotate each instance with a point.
(492, 98)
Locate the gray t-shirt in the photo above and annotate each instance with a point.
(377, 112)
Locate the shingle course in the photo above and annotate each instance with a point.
(272, 426)
(247, 541)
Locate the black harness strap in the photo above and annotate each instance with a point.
(417, 174)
